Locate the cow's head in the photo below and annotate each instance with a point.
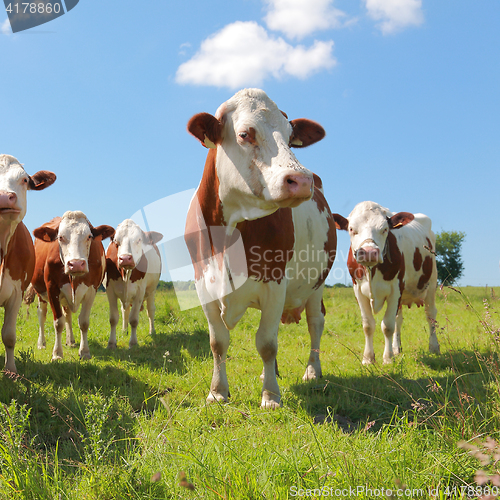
(368, 226)
(75, 234)
(14, 184)
(257, 171)
(132, 243)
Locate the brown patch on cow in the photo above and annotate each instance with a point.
(417, 259)
(317, 181)
(426, 272)
(357, 271)
(268, 244)
(331, 239)
(429, 243)
(199, 241)
(20, 257)
(391, 267)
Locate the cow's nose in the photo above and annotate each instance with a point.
(298, 185)
(7, 199)
(77, 266)
(126, 260)
(368, 255)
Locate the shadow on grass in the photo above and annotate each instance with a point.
(379, 396)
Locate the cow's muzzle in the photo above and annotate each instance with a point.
(368, 255)
(126, 261)
(76, 267)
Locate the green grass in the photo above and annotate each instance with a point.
(134, 423)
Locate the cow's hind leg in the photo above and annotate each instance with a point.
(389, 326)
(219, 343)
(70, 338)
(315, 312)
(396, 340)
(134, 321)
(9, 330)
(431, 314)
(114, 316)
(150, 303)
(42, 316)
(84, 321)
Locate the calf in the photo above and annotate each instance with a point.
(17, 257)
(133, 268)
(391, 260)
(69, 268)
(259, 232)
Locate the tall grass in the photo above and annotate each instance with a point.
(134, 423)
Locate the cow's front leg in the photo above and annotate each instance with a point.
(151, 307)
(266, 341)
(70, 338)
(431, 314)
(368, 325)
(84, 321)
(9, 330)
(315, 323)
(59, 322)
(42, 316)
(134, 321)
(389, 325)
(219, 343)
(125, 316)
(114, 315)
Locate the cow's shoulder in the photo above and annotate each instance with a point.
(20, 257)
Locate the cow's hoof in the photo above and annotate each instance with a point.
(311, 373)
(85, 355)
(387, 361)
(112, 345)
(270, 404)
(133, 346)
(72, 345)
(56, 357)
(216, 397)
(41, 346)
(434, 350)
(368, 361)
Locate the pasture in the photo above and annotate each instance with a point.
(134, 423)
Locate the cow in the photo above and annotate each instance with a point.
(17, 256)
(133, 269)
(391, 260)
(69, 268)
(259, 232)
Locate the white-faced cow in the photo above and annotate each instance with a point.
(133, 269)
(254, 191)
(70, 266)
(391, 260)
(17, 257)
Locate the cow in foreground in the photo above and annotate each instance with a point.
(17, 256)
(391, 260)
(259, 232)
(69, 268)
(133, 269)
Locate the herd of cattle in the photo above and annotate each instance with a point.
(253, 188)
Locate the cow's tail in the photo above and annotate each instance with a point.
(29, 298)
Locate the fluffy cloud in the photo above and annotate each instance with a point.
(299, 18)
(5, 28)
(395, 14)
(244, 54)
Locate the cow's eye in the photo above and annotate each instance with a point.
(243, 135)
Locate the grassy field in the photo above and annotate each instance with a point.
(134, 423)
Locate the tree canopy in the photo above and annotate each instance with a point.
(450, 266)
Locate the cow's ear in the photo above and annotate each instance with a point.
(305, 132)
(103, 231)
(341, 222)
(154, 237)
(41, 180)
(45, 233)
(206, 128)
(399, 220)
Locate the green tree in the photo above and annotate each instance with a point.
(450, 266)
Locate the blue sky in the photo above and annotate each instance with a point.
(408, 92)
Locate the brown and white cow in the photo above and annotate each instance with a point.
(255, 193)
(17, 257)
(70, 266)
(133, 269)
(391, 260)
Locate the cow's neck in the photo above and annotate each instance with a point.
(7, 229)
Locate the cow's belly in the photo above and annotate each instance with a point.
(412, 295)
(377, 290)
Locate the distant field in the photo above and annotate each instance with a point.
(134, 424)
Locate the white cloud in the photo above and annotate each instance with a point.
(299, 18)
(244, 54)
(395, 14)
(5, 27)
